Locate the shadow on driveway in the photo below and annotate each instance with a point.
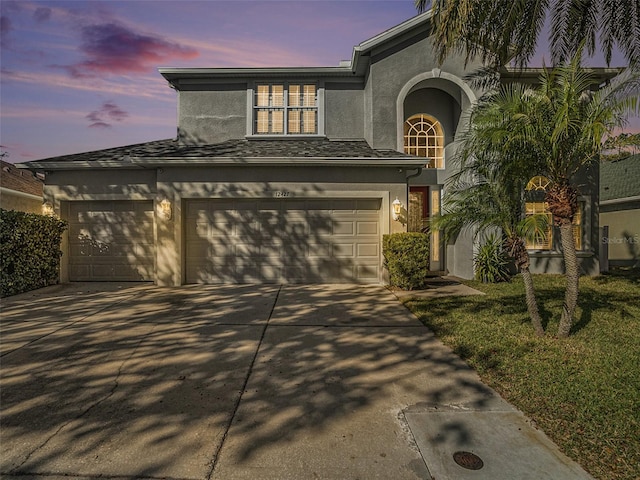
(254, 381)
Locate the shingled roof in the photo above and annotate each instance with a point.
(239, 151)
(12, 178)
(620, 178)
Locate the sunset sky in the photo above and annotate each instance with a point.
(82, 75)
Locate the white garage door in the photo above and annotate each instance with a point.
(111, 241)
(283, 241)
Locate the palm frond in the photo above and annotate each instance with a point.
(501, 31)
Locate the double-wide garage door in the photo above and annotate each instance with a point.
(111, 241)
(283, 241)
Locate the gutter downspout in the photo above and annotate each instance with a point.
(418, 172)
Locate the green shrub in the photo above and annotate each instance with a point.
(29, 251)
(491, 262)
(406, 257)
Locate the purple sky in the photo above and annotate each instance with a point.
(82, 75)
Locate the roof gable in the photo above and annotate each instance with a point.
(358, 65)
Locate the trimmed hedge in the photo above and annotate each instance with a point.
(406, 257)
(29, 251)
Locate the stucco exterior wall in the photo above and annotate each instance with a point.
(390, 71)
(344, 110)
(212, 116)
(120, 184)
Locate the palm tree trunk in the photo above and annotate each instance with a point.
(532, 305)
(573, 277)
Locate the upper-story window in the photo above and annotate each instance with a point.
(424, 137)
(285, 109)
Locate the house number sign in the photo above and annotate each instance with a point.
(282, 194)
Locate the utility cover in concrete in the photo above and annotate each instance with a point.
(507, 444)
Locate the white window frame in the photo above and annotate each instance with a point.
(414, 131)
(253, 108)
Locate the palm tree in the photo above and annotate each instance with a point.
(568, 121)
(501, 30)
(487, 192)
(556, 130)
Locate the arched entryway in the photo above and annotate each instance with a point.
(430, 112)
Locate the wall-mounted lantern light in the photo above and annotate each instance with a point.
(47, 209)
(165, 209)
(397, 209)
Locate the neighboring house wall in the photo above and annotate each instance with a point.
(620, 210)
(20, 189)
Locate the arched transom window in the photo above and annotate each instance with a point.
(423, 137)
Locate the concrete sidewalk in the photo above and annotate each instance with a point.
(247, 382)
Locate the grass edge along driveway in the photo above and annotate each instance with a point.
(584, 391)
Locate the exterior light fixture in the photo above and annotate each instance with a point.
(165, 209)
(397, 209)
(47, 209)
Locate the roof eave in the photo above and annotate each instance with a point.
(397, 162)
(178, 76)
(189, 162)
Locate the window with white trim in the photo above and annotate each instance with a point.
(285, 109)
(424, 137)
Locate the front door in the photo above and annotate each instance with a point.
(424, 202)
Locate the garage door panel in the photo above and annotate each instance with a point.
(367, 228)
(288, 241)
(344, 207)
(368, 205)
(343, 250)
(367, 272)
(343, 228)
(371, 250)
(319, 249)
(315, 206)
(111, 241)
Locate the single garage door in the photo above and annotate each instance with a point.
(111, 241)
(283, 241)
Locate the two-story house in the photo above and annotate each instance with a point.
(278, 174)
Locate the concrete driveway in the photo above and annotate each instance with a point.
(224, 382)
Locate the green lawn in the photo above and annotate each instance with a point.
(584, 391)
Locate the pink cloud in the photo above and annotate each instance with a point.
(113, 48)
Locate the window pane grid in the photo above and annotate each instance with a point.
(286, 109)
(545, 243)
(423, 137)
(538, 185)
